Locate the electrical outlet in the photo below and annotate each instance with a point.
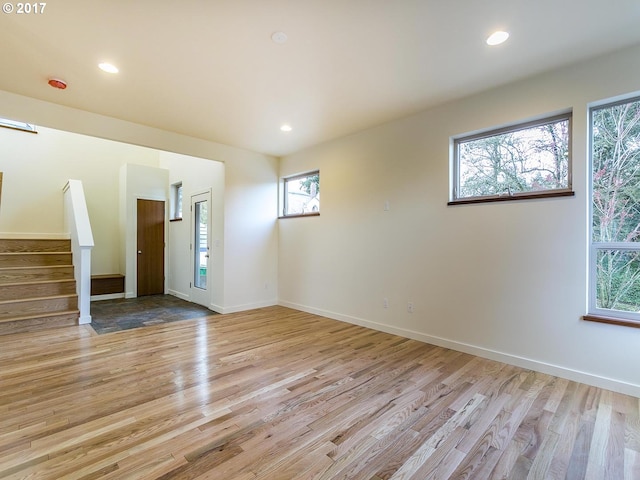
(410, 307)
(385, 303)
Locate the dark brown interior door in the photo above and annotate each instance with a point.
(150, 247)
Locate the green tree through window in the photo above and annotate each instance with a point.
(615, 204)
(302, 194)
(523, 159)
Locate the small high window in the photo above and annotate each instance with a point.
(527, 160)
(302, 194)
(176, 201)
(16, 125)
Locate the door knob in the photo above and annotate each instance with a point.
(139, 252)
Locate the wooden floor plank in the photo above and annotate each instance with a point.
(275, 393)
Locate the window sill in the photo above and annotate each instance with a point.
(612, 321)
(509, 198)
(315, 214)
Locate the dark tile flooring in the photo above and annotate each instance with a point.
(123, 314)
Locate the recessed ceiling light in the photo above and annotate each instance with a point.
(496, 38)
(107, 67)
(279, 37)
(286, 128)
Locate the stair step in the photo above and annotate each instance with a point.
(46, 288)
(37, 285)
(35, 259)
(8, 245)
(40, 322)
(12, 310)
(30, 274)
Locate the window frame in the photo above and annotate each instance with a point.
(596, 314)
(17, 125)
(177, 197)
(567, 191)
(285, 206)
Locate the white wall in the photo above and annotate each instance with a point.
(251, 234)
(196, 175)
(250, 185)
(37, 167)
(245, 239)
(503, 280)
(140, 182)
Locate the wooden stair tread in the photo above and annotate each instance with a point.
(33, 267)
(33, 259)
(40, 315)
(62, 252)
(31, 299)
(10, 275)
(37, 285)
(34, 244)
(38, 282)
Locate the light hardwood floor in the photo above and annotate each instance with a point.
(279, 394)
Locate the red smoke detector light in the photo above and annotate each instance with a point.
(56, 83)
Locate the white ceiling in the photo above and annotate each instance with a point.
(208, 68)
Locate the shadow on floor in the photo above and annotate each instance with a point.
(124, 314)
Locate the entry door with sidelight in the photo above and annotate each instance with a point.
(201, 248)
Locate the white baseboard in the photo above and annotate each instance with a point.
(216, 308)
(180, 295)
(107, 296)
(186, 297)
(542, 367)
(83, 320)
(243, 308)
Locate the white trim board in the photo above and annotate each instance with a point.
(180, 295)
(107, 296)
(530, 364)
(243, 308)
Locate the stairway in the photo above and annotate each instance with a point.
(37, 286)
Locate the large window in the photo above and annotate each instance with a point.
(301, 195)
(615, 211)
(527, 160)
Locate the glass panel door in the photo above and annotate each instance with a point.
(201, 249)
(201, 243)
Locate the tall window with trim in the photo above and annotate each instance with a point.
(615, 211)
(526, 160)
(301, 195)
